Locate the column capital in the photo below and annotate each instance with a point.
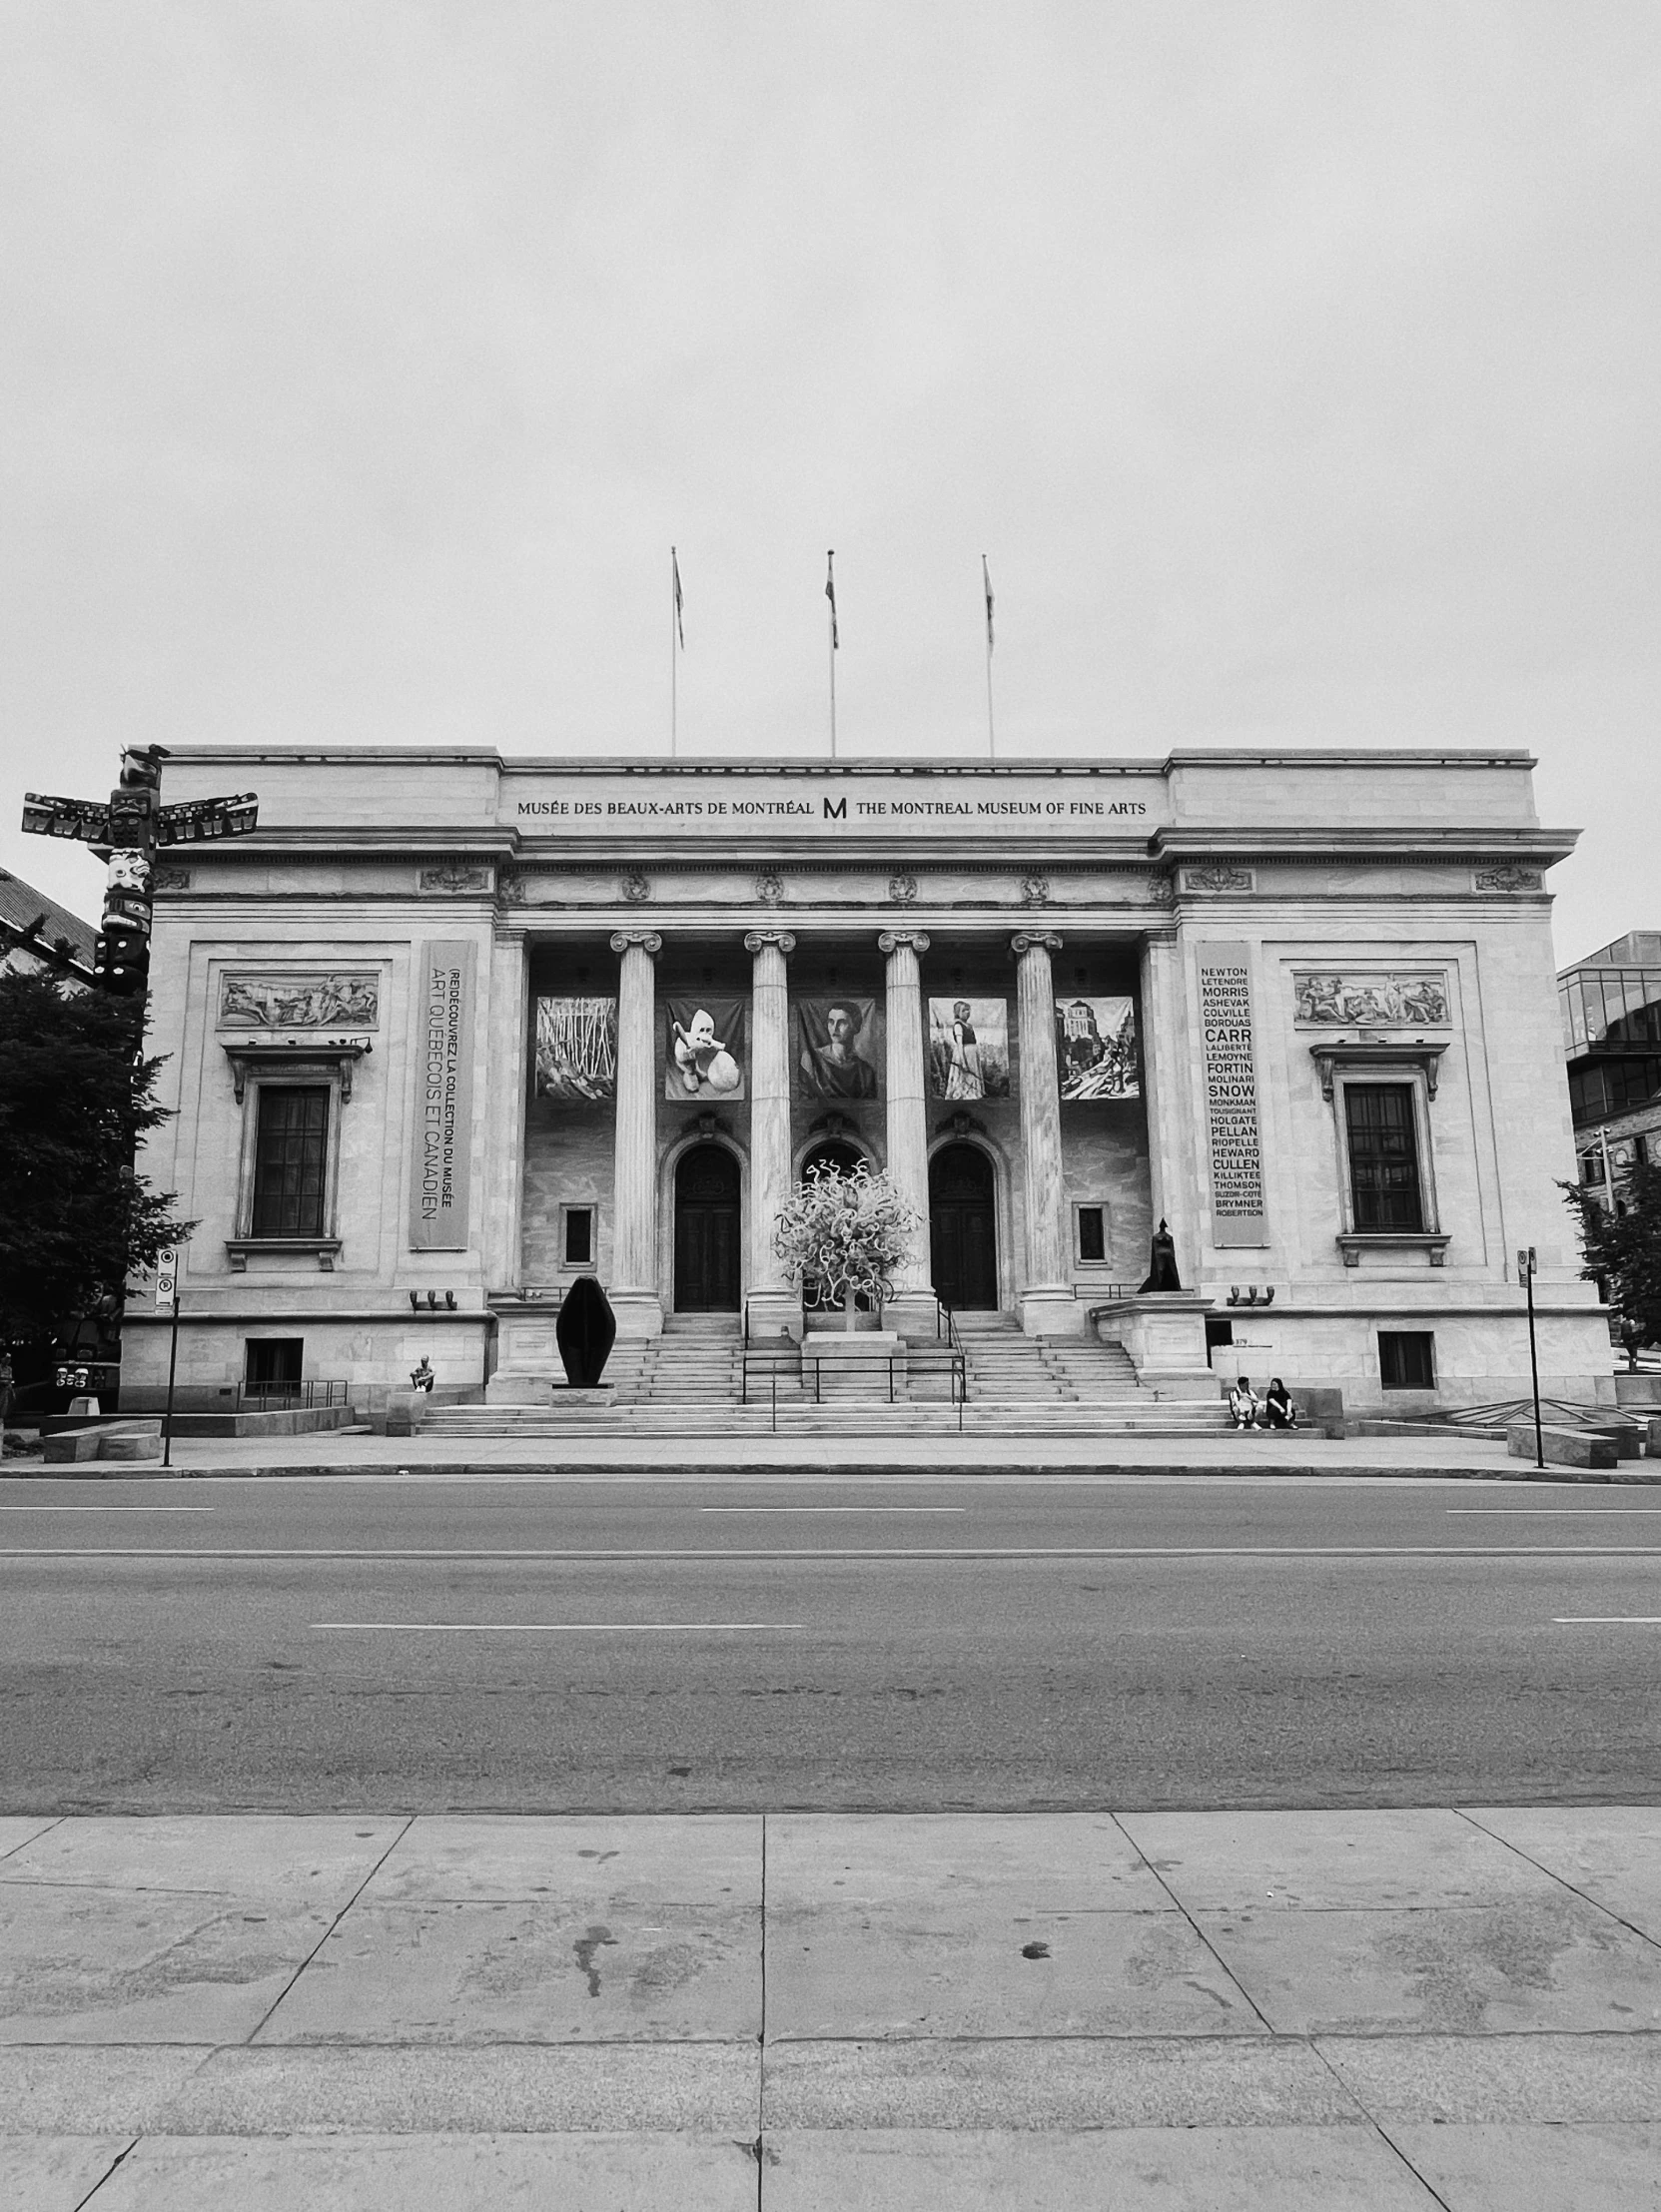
(649, 940)
(894, 941)
(1035, 940)
(754, 940)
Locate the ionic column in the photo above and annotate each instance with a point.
(633, 1291)
(774, 1304)
(1048, 1306)
(913, 1305)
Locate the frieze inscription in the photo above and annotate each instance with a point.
(308, 1001)
(1326, 1000)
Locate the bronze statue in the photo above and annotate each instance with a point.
(1161, 1261)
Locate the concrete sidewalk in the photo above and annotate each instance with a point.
(768, 1458)
(1158, 2011)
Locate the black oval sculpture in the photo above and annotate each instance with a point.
(585, 1332)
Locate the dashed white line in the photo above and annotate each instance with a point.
(1606, 1620)
(560, 1627)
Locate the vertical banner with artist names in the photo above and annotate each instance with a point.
(441, 1170)
(1235, 1153)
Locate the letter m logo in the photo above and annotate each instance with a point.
(836, 809)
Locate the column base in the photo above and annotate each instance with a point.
(639, 1314)
(912, 1313)
(1052, 1310)
(776, 1314)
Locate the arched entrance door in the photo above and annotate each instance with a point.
(707, 1230)
(963, 1237)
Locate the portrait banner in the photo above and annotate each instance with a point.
(840, 1048)
(441, 1171)
(1096, 1048)
(703, 1049)
(969, 1048)
(576, 1051)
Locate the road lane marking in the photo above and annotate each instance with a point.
(724, 1554)
(1610, 1511)
(108, 1509)
(1607, 1620)
(833, 1509)
(560, 1627)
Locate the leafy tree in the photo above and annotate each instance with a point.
(1623, 1253)
(76, 1094)
(849, 1228)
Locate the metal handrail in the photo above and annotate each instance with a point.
(289, 1397)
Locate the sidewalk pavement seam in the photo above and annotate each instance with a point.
(1392, 2145)
(1198, 1934)
(49, 1823)
(287, 1987)
(114, 2163)
(1597, 1903)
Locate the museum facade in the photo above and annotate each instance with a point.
(450, 1031)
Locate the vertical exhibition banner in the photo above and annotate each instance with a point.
(1231, 1096)
(443, 1047)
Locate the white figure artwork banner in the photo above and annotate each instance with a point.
(576, 1049)
(1096, 1048)
(703, 1049)
(969, 1048)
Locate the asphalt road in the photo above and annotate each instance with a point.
(639, 1646)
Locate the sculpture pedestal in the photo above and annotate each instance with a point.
(1163, 1334)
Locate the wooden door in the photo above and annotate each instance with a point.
(962, 1238)
(707, 1231)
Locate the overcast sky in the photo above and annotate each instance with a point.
(1296, 365)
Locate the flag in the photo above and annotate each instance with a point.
(675, 571)
(830, 594)
(986, 579)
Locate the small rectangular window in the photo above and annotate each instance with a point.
(273, 1360)
(579, 1236)
(1093, 1232)
(1384, 1157)
(289, 1154)
(1407, 1359)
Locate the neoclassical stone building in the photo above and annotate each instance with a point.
(450, 1031)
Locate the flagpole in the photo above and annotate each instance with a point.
(991, 727)
(830, 594)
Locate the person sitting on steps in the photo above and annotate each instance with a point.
(1242, 1404)
(1279, 1410)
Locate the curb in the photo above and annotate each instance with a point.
(787, 1470)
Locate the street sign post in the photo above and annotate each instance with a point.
(1526, 1264)
(167, 1301)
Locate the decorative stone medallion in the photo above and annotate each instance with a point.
(636, 889)
(170, 879)
(1508, 879)
(902, 890)
(454, 878)
(1035, 891)
(1219, 878)
(769, 889)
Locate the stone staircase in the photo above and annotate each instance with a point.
(1008, 1368)
(691, 1381)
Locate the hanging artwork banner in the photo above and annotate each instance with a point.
(839, 1048)
(441, 1171)
(969, 1048)
(1096, 1048)
(703, 1049)
(576, 1051)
